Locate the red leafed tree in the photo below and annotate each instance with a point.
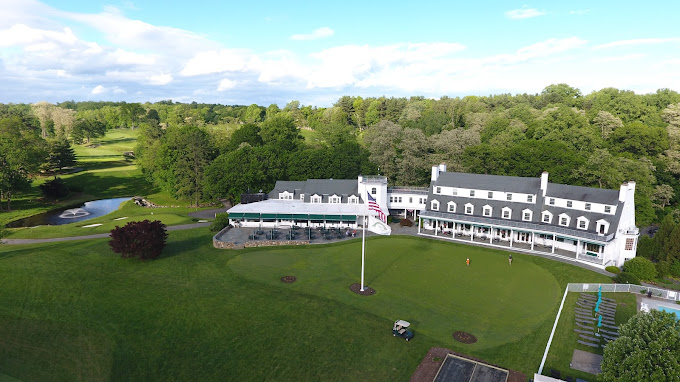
(143, 240)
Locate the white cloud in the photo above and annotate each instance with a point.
(322, 32)
(523, 13)
(214, 62)
(98, 90)
(160, 79)
(639, 41)
(225, 84)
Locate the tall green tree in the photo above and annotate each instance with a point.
(60, 155)
(647, 349)
(280, 133)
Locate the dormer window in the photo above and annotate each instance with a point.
(552, 201)
(527, 215)
(302, 196)
(486, 211)
(315, 199)
(286, 195)
(564, 220)
(434, 205)
(353, 200)
(472, 193)
(439, 190)
(607, 209)
(334, 199)
(469, 209)
(546, 217)
(530, 198)
(602, 227)
(451, 207)
(582, 223)
(509, 196)
(506, 213)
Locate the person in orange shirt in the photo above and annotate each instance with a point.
(467, 261)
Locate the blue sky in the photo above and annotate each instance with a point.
(273, 52)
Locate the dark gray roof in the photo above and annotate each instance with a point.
(489, 182)
(322, 187)
(585, 194)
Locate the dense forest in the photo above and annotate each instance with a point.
(203, 152)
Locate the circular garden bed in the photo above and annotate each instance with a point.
(464, 337)
(288, 279)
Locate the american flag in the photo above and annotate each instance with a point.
(373, 206)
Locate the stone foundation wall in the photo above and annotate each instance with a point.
(272, 243)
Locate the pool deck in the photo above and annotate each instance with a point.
(655, 303)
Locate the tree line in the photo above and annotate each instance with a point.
(205, 151)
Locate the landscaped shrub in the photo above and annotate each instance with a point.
(640, 267)
(143, 240)
(406, 223)
(626, 278)
(221, 221)
(54, 188)
(613, 269)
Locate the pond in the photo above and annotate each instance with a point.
(89, 210)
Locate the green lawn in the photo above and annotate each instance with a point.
(75, 311)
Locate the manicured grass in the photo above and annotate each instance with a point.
(565, 339)
(75, 311)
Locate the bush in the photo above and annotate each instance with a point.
(663, 268)
(648, 248)
(675, 268)
(143, 240)
(640, 267)
(55, 188)
(221, 221)
(406, 223)
(613, 269)
(626, 278)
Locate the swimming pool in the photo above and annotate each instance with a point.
(670, 310)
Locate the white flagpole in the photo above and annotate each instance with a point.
(363, 252)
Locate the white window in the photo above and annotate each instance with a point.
(302, 196)
(506, 213)
(434, 205)
(422, 200)
(602, 227)
(587, 206)
(630, 244)
(315, 199)
(527, 215)
(399, 200)
(454, 192)
(552, 201)
(564, 220)
(334, 199)
(530, 198)
(569, 203)
(469, 209)
(451, 207)
(373, 190)
(582, 223)
(546, 217)
(472, 193)
(487, 211)
(353, 200)
(286, 195)
(509, 196)
(490, 194)
(439, 190)
(607, 209)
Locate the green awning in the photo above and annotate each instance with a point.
(333, 217)
(249, 215)
(300, 217)
(269, 216)
(236, 215)
(349, 218)
(285, 216)
(316, 217)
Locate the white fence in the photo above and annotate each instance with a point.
(630, 288)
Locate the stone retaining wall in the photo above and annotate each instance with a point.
(272, 243)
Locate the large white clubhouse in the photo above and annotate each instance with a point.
(584, 224)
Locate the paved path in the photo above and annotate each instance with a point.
(97, 236)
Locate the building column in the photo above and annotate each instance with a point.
(472, 232)
(419, 222)
(491, 234)
(578, 247)
(415, 214)
(512, 234)
(436, 226)
(533, 238)
(553, 244)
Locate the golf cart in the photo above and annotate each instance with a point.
(402, 329)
